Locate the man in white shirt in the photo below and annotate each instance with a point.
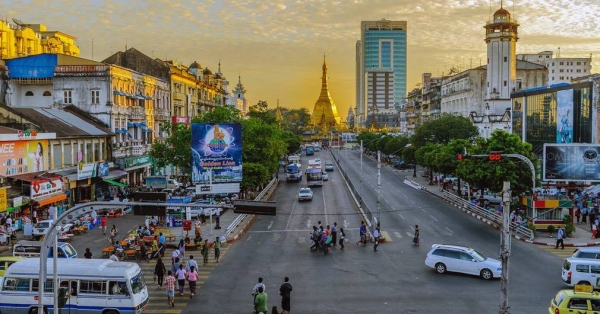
(174, 256)
(94, 215)
(9, 221)
(191, 263)
(376, 236)
(559, 238)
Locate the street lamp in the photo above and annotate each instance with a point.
(414, 163)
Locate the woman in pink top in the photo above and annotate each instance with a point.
(192, 277)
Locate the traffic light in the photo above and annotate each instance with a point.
(495, 156)
(461, 157)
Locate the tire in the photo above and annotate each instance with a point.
(486, 274)
(440, 268)
(111, 312)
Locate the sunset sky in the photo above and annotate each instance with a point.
(277, 46)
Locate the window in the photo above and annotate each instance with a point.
(95, 96)
(29, 93)
(505, 59)
(505, 83)
(561, 63)
(47, 285)
(92, 286)
(582, 268)
(68, 96)
(466, 257)
(578, 62)
(595, 269)
(16, 284)
(562, 70)
(47, 93)
(552, 70)
(578, 303)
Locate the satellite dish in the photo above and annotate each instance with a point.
(18, 22)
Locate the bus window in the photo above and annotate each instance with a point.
(137, 283)
(92, 287)
(10, 284)
(116, 288)
(22, 284)
(47, 286)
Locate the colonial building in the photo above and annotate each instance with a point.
(19, 39)
(238, 97)
(560, 70)
(325, 115)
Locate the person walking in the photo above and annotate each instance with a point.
(416, 236)
(594, 231)
(376, 236)
(559, 238)
(205, 251)
(285, 292)
(363, 234)
(191, 263)
(170, 285)
(154, 247)
(334, 232)
(103, 225)
(94, 215)
(181, 249)
(88, 253)
(159, 271)
(255, 292)
(181, 278)
(113, 234)
(192, 277)
(342, 238)
(260, 301)
(578, 214)
(217, 249)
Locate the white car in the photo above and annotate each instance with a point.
(325, 176)
(305, 194)
(41, 228)
(329, 166)
(460, 259)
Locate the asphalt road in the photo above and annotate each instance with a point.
(358, 280)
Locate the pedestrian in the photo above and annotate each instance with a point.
(342, 237)
(174, 256)
(191, 263)
(181, 249)
(260, 284)
(559, 238)
(154, 247)
(103, 224)
(578, 214)
(34, 218)
(363, 234)
(261, 301)
(205, 251)
(170, 285)
(217, 249)
(192, 277)
(376, 236)
(417, 234)
(113, 234)
(181, 278)
(594, 231)
(334, 232)
(175, 266)
(88, 253)
(159, 271)
(584, 214)
(285, 292)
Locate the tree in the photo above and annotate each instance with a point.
(444, 130)
(291, 140)
(483, 173)
(426, 156)
(396, 145)
(261, 111)
(295, 120)
(169, 152)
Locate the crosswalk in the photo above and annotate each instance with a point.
(158, 297)
(558, 252)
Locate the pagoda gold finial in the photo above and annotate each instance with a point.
(324, 77)
(325, 109)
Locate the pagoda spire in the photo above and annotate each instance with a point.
(278, 115)
(324, 77)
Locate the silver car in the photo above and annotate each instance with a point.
(305, 194)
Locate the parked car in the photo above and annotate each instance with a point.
(404, 165)
(453, 258)
(305, 194)
(41, 228)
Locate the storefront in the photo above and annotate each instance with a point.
(137, 168)
(47, 191)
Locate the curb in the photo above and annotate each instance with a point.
(497, 227)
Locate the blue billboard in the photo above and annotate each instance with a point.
(564, 108)
(216, 153)
(571, 162)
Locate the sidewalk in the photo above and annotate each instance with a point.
(581, 236)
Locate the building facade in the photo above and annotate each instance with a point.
(560, 70)
(18, 39)
(382, 47)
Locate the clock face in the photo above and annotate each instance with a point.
(590, 155)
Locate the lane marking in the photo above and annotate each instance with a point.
(307, 224)
(270, 225)
(324, 205)
(291, 213)
(421, 208)
(386, 236)
(409, 234)
(433, 218)
(398, 235)
(401, 216)
(297, 230)
(449, 230)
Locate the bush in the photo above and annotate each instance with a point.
(550, 229)
(568, 221)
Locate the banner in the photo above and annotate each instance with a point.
(45, 187)
(86, 171)
(564, 110)
(3, 199)
(103, 169)
(571, 162)
(17, 157)
(216, 153)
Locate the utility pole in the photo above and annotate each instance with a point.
(505, 247)
(378, 190)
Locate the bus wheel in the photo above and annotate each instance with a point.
(111, 312)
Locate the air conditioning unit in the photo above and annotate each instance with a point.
(115, 145)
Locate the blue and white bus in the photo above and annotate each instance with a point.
(310, 150)
(94, 286)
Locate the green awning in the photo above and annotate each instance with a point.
(115, 183)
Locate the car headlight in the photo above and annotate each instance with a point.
(499, 269)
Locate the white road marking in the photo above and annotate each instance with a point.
(449, 230)
(413, 202)
(346, 224)
(297, 230)
(324, 205)
(398, 235)
(307, 224)
(270, 225)
(401, 216)
(433, 218)
(421, 208)
(291, 213)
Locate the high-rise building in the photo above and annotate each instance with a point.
(382, 47)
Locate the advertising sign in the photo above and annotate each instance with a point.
(564, 109)
(571, 162)
(138, 161)
(103, 169)
(17, 157)
(3, 200)
(216, 153)
(45, 187)
(156, 182)
(86, 171)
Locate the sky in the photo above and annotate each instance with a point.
(277, 46)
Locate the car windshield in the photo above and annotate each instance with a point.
(137, 283)
(42, 225)
(69, 250)
(478, 256)
(560, 296)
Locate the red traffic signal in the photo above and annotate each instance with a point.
(461, 157)
(494, 156)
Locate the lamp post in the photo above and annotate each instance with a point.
(378, 190)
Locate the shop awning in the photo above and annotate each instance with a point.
(114, 183)
(51, 199)
(28, 177)
(114, 174)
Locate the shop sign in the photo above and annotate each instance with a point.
(81, 70)
(86, 171)
(44, 187)
(27, 134)
(103, 169)
(17, 157)
(179, 120)
(3, 199)
(138, 161)
(17, 201)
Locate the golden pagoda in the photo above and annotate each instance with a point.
(325, 113)
(278, 115)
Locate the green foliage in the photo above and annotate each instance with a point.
(396, 145)
(444, 130)
(221, 114)
(255, 174)
(263, 145)
(291, 140)
(295, 120)
(169, 152)
(261, 111)
(568, 221)
(550, 229)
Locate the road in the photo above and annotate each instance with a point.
(358, 280)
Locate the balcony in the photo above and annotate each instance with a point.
(162, 114)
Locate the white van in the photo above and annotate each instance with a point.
(581, 271)
(41, 228)
(33, 248)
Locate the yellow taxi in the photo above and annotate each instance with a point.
(6, 261)
(581, 300)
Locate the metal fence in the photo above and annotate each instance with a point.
(241, 217)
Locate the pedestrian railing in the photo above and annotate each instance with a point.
(517, 228)
(241, 217)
